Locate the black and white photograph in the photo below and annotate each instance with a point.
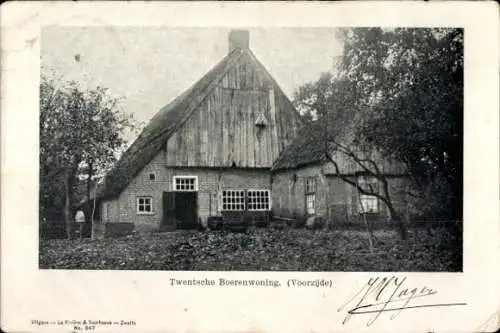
(250, 166)
(251, 149)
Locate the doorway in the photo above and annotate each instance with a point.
(181, 206)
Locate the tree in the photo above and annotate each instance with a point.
(77, 128)
(103, 125)
(370, 166)
(404, 90)
(423, 124)
(51, 198)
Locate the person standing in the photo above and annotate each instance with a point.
(80, 220)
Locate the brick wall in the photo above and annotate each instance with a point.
(210, 181)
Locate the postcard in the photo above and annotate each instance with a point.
(250, 167)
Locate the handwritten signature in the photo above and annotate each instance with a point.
(388, 294)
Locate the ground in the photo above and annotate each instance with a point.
(260, 250)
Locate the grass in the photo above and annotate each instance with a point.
(260, 250)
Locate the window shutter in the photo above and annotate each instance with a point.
(219, 202)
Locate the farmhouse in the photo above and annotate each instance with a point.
(207, 153)
(231, 145)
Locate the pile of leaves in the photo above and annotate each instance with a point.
(259, 250)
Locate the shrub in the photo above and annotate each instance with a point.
(169, 224)
(118, 229)
(49, 229)
(260, 249)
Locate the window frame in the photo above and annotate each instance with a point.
(313, 197)
(155, 176)
(137, 205)
(313, 191)
(174, 183)
(368, 200)
(269, 200)
(241, 195)
(310, 194)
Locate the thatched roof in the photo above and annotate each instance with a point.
(156, 133)
(308, 148)
(319, 137)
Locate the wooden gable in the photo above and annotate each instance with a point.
(225, 131)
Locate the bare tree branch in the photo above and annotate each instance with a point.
(376, 172)
(354, 183)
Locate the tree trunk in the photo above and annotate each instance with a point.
(88, 216)
(368, 227)
(92, 236)
(68, 204)
(395, 217)
(398, 220)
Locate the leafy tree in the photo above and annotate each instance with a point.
(422, 124)
(52, 178)
(79, 130)
(403, 89)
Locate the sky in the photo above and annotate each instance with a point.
(149, 66)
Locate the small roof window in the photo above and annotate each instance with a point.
(261, 120)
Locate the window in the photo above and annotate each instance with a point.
(311, 195)
(310, 185)
(152, 176)
(368, 203)
(233, 200)
(185, 183)
(311, 204)
(258, 200)
(144, 205)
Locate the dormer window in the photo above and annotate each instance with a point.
(261, 120)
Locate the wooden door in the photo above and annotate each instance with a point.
(186, 209)
(168, 221)
(182, 207)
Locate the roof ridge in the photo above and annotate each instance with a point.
(205, 93)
